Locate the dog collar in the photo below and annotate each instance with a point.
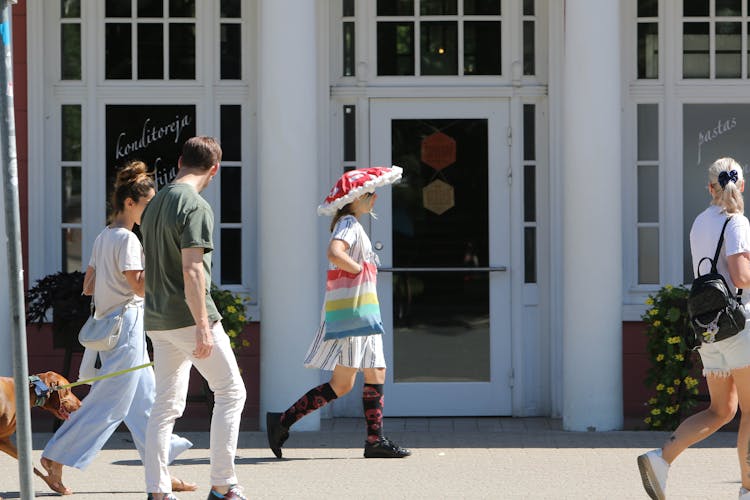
(41, 390)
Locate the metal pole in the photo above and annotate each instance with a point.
(15, 264)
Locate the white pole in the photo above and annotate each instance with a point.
(15, 263)
(592, 222)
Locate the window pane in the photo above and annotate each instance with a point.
(231, 194)
(150, 51)
(348, 8)
(350, 133)
(728, 50)
(231, 256)
(439, 48)
(648, 8)
(529, 132)
(728, 7)
(529, 193)
(182, 51)
(150, 8)
(529, 50)
(70, 8)
(71, 194)
(529, 268)
(695, 8)
(482, 48)
(117, 8)
(231, 51)
(648, 255)
(482, 7)
(118, 61)
(648, 193)
(231, 132)
(181, 8)
(695, 47)
(648, 132)
(348, 49)
(395, 7)
(71, 132)
(71, 249)
(528, 7)
(231, 8)
(395, 48)
(648, 50)
(438, 7)
(70, 51)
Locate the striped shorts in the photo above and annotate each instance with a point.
(353, 352)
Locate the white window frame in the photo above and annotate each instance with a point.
(47, 92)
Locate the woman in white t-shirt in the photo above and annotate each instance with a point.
(726, 363)
(115, 279)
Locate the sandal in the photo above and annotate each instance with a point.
(180, 485)
(54, 477)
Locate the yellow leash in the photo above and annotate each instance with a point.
(102, 377)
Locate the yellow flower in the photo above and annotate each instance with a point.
(679, 357)
(647, 420)
(652, 401)
(653, 312)
(659, 357)
(690, 382)
(231, 309)
(649, 301)
(238, 301)
(657, 323)
(656, 411)
(670, 410)
(677, 381)
(673, 340)
(657, 423)
(670, 390)
(660, 387)
(668, 287)
(245, 343)
(241, 317)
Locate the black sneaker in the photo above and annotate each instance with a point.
(385, 448)
(277, 433)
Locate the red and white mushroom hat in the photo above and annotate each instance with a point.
(355, 183)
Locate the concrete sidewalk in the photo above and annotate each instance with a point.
(470, 458)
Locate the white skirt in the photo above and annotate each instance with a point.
(353, 352)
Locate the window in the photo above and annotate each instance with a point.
(162, 33)
(70, 40)
(647, 182)
(439, 37)
(713, 35)
(70, 175)
(648, 39)
(348, 35)
(529, 193)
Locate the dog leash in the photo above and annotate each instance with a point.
(102, 377)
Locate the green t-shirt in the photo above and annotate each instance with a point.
(176, 218)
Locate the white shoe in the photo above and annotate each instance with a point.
(744, 493)
(654, 470)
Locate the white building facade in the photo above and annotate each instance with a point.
(553, 155)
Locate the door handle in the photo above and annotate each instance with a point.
(491, 269)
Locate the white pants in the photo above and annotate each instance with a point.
(173, 357)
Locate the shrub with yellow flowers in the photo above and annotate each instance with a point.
(673, 374)
(231, 306)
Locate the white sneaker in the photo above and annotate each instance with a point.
(744, 493)
(654, 470)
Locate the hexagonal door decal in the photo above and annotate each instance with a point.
(438, 196)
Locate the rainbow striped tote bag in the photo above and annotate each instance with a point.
(351, 307)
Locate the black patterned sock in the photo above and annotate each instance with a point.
(372, 403)
(314, 399)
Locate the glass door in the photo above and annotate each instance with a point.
(442, 235)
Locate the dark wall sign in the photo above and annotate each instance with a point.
(152, 134)
(710, 131)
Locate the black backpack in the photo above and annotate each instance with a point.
(714, 312)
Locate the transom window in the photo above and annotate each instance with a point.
(714, 33)
(439, 37)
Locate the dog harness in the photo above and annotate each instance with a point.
(41, 390)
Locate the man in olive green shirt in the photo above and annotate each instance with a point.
(183, 323)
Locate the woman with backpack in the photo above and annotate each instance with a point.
(726, 362)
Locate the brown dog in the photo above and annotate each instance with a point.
(60, 403)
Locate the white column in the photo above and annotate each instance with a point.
(288, 196)
(592, 232)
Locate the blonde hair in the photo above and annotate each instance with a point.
(728, 196)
